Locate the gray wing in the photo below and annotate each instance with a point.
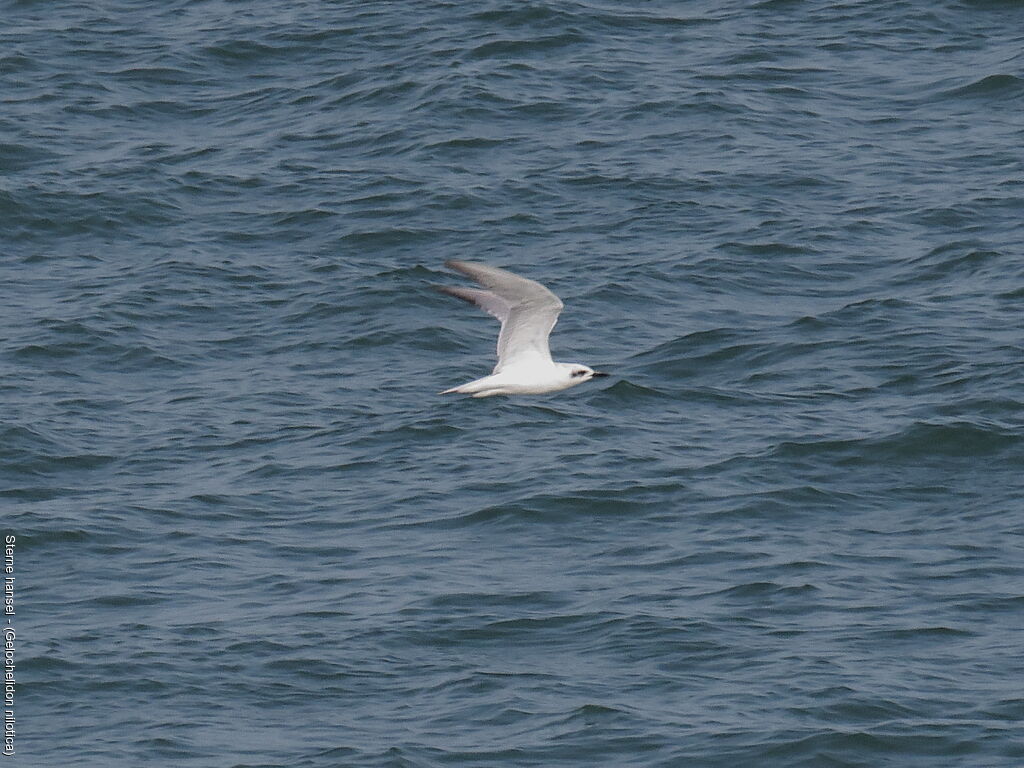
(527, 310)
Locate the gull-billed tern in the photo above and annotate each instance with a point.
(527, 311)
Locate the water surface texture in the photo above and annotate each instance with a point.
(787, 531)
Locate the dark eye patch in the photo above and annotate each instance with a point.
(578, 373)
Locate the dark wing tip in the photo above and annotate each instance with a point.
(458, 266)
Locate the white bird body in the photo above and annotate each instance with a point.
(527, 311)
(520, 380)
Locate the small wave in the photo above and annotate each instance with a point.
(389, 236)
(527, 47)
(919, 440)
(156, 75)
(773, 248)
(246, 51)
(527, 14)
(957, 258)
(626, 391)
(992, 86)
(18, 157)
(545, 509)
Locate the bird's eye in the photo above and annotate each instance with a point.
(577, 373)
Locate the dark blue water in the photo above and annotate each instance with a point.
(788, 530)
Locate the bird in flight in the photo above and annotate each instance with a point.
(527, 311)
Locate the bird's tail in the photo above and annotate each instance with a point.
(475, 387)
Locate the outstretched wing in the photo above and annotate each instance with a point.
(527, 310)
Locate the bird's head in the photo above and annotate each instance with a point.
(579, 373)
